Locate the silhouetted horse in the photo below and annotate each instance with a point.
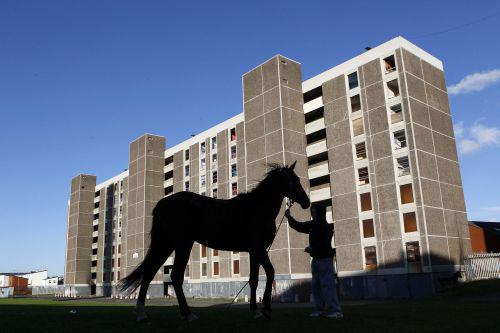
(245, 223)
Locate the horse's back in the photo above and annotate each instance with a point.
(187, 215)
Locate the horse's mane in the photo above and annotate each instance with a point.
(273, 170)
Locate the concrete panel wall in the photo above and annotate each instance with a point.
(145, 189)
(79, 234)
(274, 133)
(439, 192)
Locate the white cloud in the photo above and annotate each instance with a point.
(458, 128)
(475, 82)
(476, 137)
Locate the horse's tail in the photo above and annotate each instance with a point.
(132, 281)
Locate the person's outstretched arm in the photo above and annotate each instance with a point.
(303, 227)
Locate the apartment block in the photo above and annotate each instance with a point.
(374, 142)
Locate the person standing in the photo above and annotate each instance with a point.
(320, 248)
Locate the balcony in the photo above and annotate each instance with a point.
(95, 233)
(316, 148)
(315, 126)
(313, 105)
(318, 171)
(168, 167)
(168, 182)
(320, 194)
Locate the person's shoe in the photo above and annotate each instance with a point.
(315, 314)
(335, 315)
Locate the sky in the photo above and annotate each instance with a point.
(79, 80)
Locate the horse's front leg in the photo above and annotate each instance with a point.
(269, 269)
(254, 280)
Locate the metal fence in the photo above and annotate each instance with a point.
(482, 266)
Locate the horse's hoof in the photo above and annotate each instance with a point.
(191, 317)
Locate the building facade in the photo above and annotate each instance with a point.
(374, 142)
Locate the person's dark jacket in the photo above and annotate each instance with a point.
(320, 236)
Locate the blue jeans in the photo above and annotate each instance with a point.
(323, 285)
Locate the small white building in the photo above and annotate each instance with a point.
(36, 278)
(53, 281)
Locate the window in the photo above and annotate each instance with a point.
(366, 201)
(370, 258)
(234, 171)
(363, 177)
(186, 271)
(203, 193)
(355, 103)
(204, 269)
(406, 193)
(413, 257)
(203, 180)
(186, 170)
(399, 139)
(410, 222)
(186, 155)
(96, 216)
(236, 266)
(94, 252)
(368, 230)
(215, 267)
(353, 80)
(214, 177)
(234, 189)
(357, 126)
(233, 134)
(215, 253)
(233, 152)
(96, 205)
(360, 151)
(389, 64)
(396, 113)
(214, 143)
(186, 186)
(203, 164)
(392, 88)
(214, 159)
(214, 193)
(403, 166)
(203, 251)
(203, 148)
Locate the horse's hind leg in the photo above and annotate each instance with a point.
(152, 265)
(181, 258)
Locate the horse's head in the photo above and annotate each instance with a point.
(293, 188)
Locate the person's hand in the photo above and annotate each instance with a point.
(307, 249)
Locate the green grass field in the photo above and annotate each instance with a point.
(471, 307)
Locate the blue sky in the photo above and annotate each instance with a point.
(80, 79)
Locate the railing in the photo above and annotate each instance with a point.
(482, 266)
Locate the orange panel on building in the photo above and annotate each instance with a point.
(18, 282)
(484, 236)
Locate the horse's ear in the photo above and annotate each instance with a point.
(293, 165)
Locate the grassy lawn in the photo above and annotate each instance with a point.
(471, 307)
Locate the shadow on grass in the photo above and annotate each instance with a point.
(449, 311)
